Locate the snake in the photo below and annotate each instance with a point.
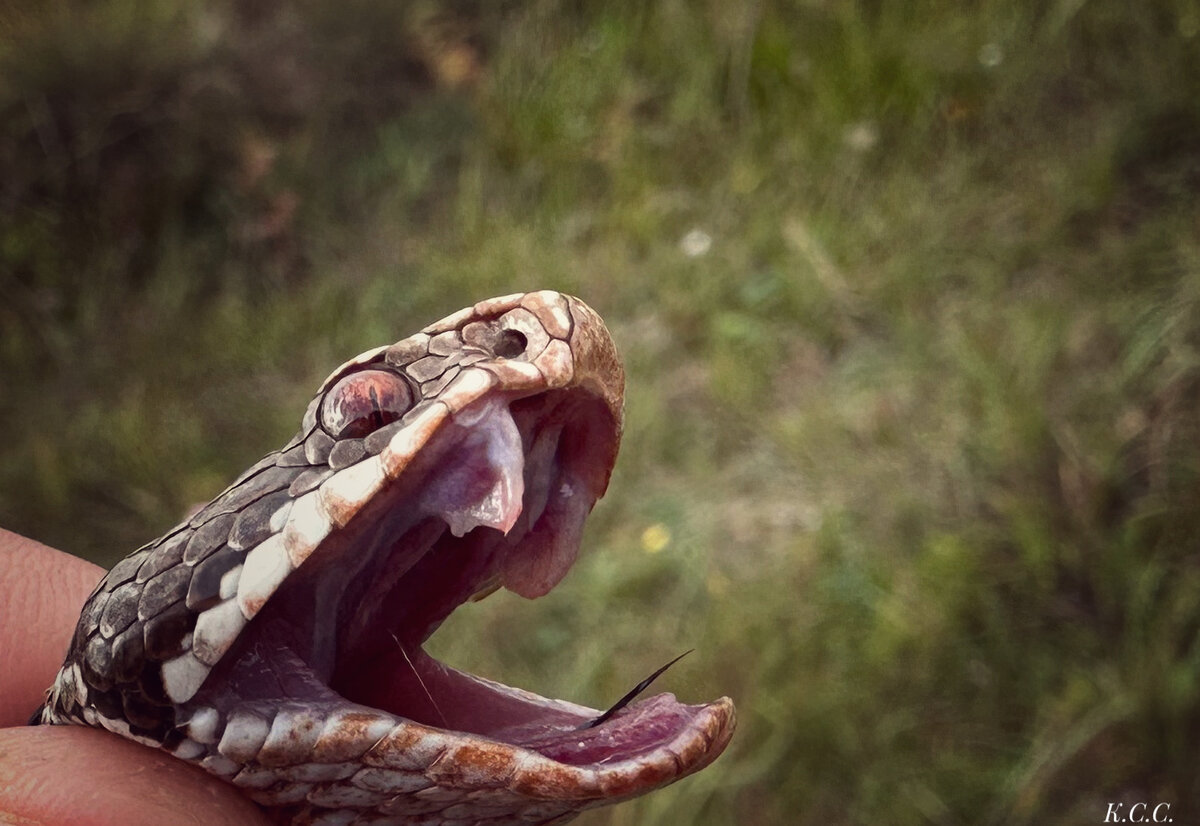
(275, 637)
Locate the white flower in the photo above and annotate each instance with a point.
(862, 136)
(990, 55)
(695, 243)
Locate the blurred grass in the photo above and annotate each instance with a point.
(908, 295)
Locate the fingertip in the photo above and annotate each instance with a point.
(55, 775)
(42, 592)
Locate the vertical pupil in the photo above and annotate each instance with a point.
(376, 408)
(377, 413)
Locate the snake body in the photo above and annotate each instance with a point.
(274, 638)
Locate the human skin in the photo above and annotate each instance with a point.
(54, 775)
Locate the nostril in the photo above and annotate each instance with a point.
(510, 344)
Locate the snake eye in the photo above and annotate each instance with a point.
(363, 402)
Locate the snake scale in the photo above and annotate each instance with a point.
(274, 638)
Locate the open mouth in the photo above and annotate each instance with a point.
(504, 508)
(493, 494)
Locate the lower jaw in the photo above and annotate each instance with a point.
(396, 679)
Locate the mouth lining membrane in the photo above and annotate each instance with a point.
(482, 482)
(503, 499)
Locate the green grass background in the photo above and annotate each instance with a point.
(908, 294)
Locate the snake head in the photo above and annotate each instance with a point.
(275, 637)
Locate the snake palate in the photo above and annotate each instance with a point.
(275, 638)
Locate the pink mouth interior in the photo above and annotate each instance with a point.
(501, 497)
